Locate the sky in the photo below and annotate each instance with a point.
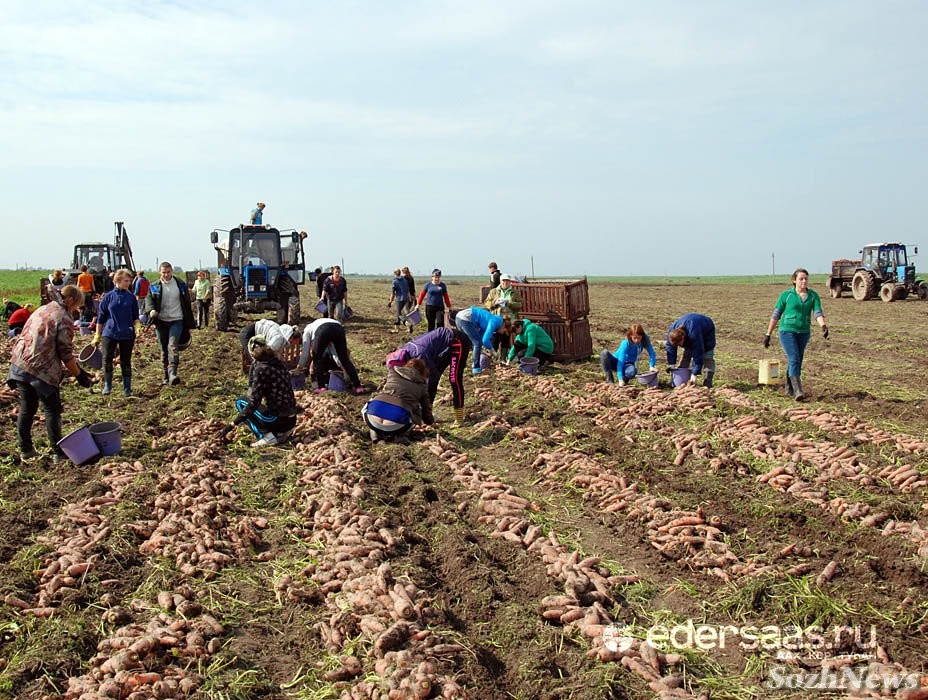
(559, 138)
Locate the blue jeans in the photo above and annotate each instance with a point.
(464, 322)
(610, 365)
(794, 345)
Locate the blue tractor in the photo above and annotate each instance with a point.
(253, 261)
(883, 270)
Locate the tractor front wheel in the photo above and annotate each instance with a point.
(921, 288)
(863, 286)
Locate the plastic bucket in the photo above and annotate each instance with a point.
(414, 317)
(485, 361)
(298, 381)
(144, 319)
(79, 446)
(86, 330)
(680, 375)
(322, 307)
(528, 365)
(108, 437)
(92, 356)
(337, 382)
(648, 379)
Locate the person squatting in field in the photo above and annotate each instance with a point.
(440, 349)
(624, 361)
(531, 341)
(481, 327)
(270, 407)
(402, 402)
(793, 311)
(694, 333)
(40, 356)
(118, 326)
(437, 301)
(317, 337)
(17, 319)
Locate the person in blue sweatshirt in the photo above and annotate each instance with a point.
(480, 326)
(694, 333)
(624, 361)
(117, 326)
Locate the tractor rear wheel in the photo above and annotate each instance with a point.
(294, 312)
(864, 286)
(223, 302)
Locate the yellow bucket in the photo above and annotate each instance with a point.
(768, 372)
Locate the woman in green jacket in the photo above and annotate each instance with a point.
(531, 341)
(794, 311)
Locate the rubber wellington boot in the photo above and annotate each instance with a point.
(107, 383)
(788, 387)
(797, 389)
(167, 377)
(127, 385)
(707, 382)
(173, 379)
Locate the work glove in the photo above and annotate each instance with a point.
(152, 314)
(767, 341)
(85, 379)
(825, 332)
(668, 369)
(138, 327)
(389, 304)
(694, 378)
(652, 368)
(96, 338)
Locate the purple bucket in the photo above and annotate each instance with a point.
(528, 365)
(485, 361)
(680, 375)
(79, 446)
(337, 382)
(298, 381)
(92, 356)
(322, 307)
(108, 437)
(414, 317)
(648, 379)
(86, 330)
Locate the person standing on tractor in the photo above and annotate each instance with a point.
(793, 311)
(335, 294)
(437, 301)
(203, 292)
(37, 363)
(168, 306)
(694, 333)
(85, 283)
(257, 214)
(117, 326)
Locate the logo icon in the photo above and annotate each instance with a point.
(615, 638)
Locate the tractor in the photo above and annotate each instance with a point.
(101, 259)
(883, 270)
(252, 259)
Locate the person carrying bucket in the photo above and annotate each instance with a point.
(118, 326)
(270, 407)
(404, 401)
(40, 356)
(531, 341)
(481, 327)
(399, 292)
(317, 337)
(168, 305)
(437, 301)
(624, 361)
(440, 349)
(694, 333)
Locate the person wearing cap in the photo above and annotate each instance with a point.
(118, 326)
(437, 301)
(270, 407)
(18, 319)
(257, 214)
(504, 301)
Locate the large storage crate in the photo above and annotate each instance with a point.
(568, 300)
(572, 340)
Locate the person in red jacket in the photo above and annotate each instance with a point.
(18, 319)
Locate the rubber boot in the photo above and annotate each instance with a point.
(107, 383)
(797, 389)
(707, 382)
(458, 415)
(167, 378)
(127, 385)
(788, 387)
(173, 379)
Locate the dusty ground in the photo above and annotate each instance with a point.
(769, 493)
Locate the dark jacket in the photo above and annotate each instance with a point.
(269, 391)
(406, 388)
(153, 301)
(700, 339)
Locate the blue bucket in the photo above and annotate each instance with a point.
(648, 379)
(528, 365)
(321, 307)
(79, 446)
(337, 382)
(92, 356)
(680, 375)
(485, 361)
(298, 381)
(108, 437)
(414, 317)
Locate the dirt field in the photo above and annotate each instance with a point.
(528, 553)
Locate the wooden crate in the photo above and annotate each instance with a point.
(567, 300)
(572, 339)
(290, 357)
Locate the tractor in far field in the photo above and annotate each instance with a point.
(883, 270)
(252, 262)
